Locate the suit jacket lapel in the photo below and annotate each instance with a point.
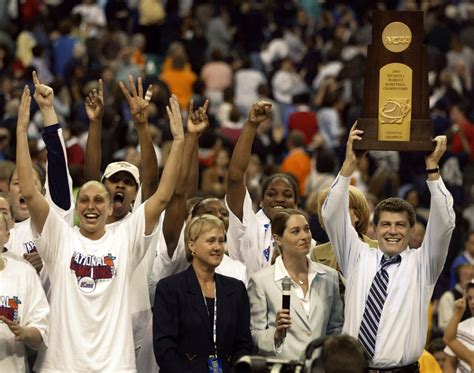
(197, 299)
(315, 292)
(224, 310)
(297, 306)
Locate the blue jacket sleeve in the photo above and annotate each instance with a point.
(57, 174)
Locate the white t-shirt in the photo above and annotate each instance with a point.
(246, 84)
(465, 335)
(22, 299)
(90, 321)
(140, 308)
(21, 239)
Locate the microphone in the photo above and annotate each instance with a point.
(286, 285)
(285, 301)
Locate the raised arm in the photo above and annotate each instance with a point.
(158, 201)
(58, 182)
(461, 351)
(335, 212)
(176, 210)
(441, 220)
(37, 204)
(138, 105)
(259, 113)
(95, 113)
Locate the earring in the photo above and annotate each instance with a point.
(193, 252)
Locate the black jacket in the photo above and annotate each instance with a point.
(182, 331)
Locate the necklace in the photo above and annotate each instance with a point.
(298, 280)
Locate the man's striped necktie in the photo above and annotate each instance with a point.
(374, 306)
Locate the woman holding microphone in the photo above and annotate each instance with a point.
(315, 306)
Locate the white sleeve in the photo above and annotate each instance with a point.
(36, 307)
(344, 239)
(449, 352)
(242, 236)
(441, 221)
(164, 266)
(52, 241)
(138, 242)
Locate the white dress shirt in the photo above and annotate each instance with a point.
(281, 272)
(403, 323)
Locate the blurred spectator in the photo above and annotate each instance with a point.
(214, 178)
(322, 172)
(231, 128)
(303, 118)
(329, 121)
(151, 15)
(180, 80)
(247, 80)
(463, 140)
(24, 46)
(219, 32)
(297, 162)
(217, 76)
(224, 109)
(93, 19)
(74, 150)
(286, 83)
(41, 65)
(275, 50)
(63, 47)
(464, 274)
(466, 257)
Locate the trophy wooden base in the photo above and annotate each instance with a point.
(420, 138)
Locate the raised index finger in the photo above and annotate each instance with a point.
(354, 126)
(35, 78)
(206, 105)
(101, 88)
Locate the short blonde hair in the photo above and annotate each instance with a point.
(197, 227)
(357, 202)
(4, 220)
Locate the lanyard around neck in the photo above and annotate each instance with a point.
(214, 323)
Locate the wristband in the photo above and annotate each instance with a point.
(432, 170)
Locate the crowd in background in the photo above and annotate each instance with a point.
(304, 57)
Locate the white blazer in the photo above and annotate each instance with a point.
(265, 295)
